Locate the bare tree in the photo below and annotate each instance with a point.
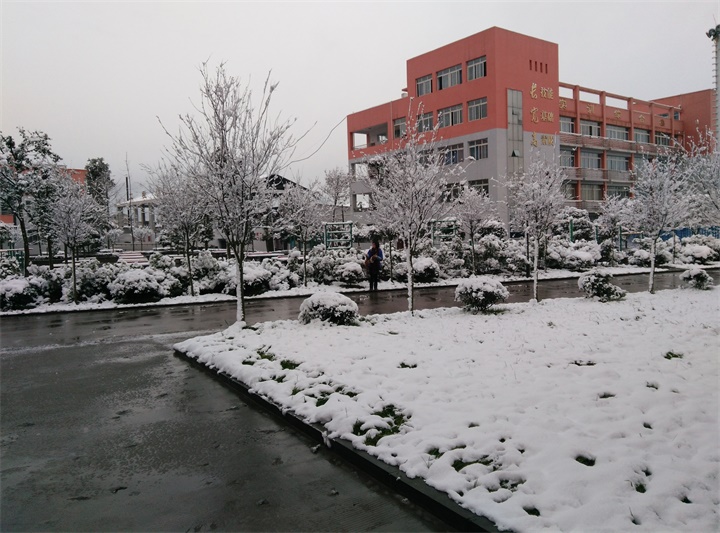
(661, 201)
(535, 200)
(409, 189)
(473, 206)
(302, 214)
(337, 187)
(180, 209)
(75, 215)
(230, 151)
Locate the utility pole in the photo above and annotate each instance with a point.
(714, 34)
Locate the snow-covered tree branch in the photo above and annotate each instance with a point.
(230, 150)
(409, 190)
(535, 201)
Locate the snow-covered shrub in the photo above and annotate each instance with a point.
(641, 256)
(582, 227)
(170, 286)
(697, 278)
(578, 255)
(329, 306)
(9, 266)
(596, 284)
(205, 266)
(489, 254)
(94, 278)
(256, 279)
(450, 257)
(514, 257)
(426, 270)
(281, 277)
(161, 262)
(349, 273)
(53, 281)
(135, 286)
(17, 292)
(479, 293)
(696, 253)
(490, 227)
(704, 240)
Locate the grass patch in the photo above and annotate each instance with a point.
(511, 484)
(673, 355)
(579, 362)
(295, 391)
(265, 353)
(286, 364)
(531, 511)
(685, 499)
(647, 426)
(395, 420)
(584, 460)
(248, 362)
(459, 464)
(640, 487)
(650, 385)
(606, 395)
(406, 365)
(435, 453)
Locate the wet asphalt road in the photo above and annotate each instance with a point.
(120, 435)
(103, 429)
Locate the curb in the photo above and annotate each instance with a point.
(418, 491)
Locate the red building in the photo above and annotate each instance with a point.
(496, 95)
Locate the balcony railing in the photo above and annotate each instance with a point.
(597, 174)
(605, 143)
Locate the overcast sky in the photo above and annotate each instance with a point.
(95, 76)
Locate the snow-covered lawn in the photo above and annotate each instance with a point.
(568, 414)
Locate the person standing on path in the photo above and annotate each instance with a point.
(373, 262)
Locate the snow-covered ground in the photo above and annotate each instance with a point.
(568, 414)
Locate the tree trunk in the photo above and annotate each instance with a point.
(472, 248)
(26, 246)
(190, 271)
(651, 287)
(305, 263)
(51, 254)
(411, 279)
(535, 269)
(239, 251)
(74, 276)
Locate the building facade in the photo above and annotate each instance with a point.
(495, 97)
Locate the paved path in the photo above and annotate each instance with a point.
(117, 434)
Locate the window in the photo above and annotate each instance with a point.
(423, 85)
(569, 189)
(623, 191)
(618, 162)
(567, 157)
(425, 122)
(454, 154)
(588, 127)
(617, 132)
(567, 125)
(450, 116)
(477, 68)
(642, 136)
(399, 127)
(478, 149)
(589, 160)
(482, 185)
(477, 109)
(662, 139)
(592, 191)
(449, 77)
